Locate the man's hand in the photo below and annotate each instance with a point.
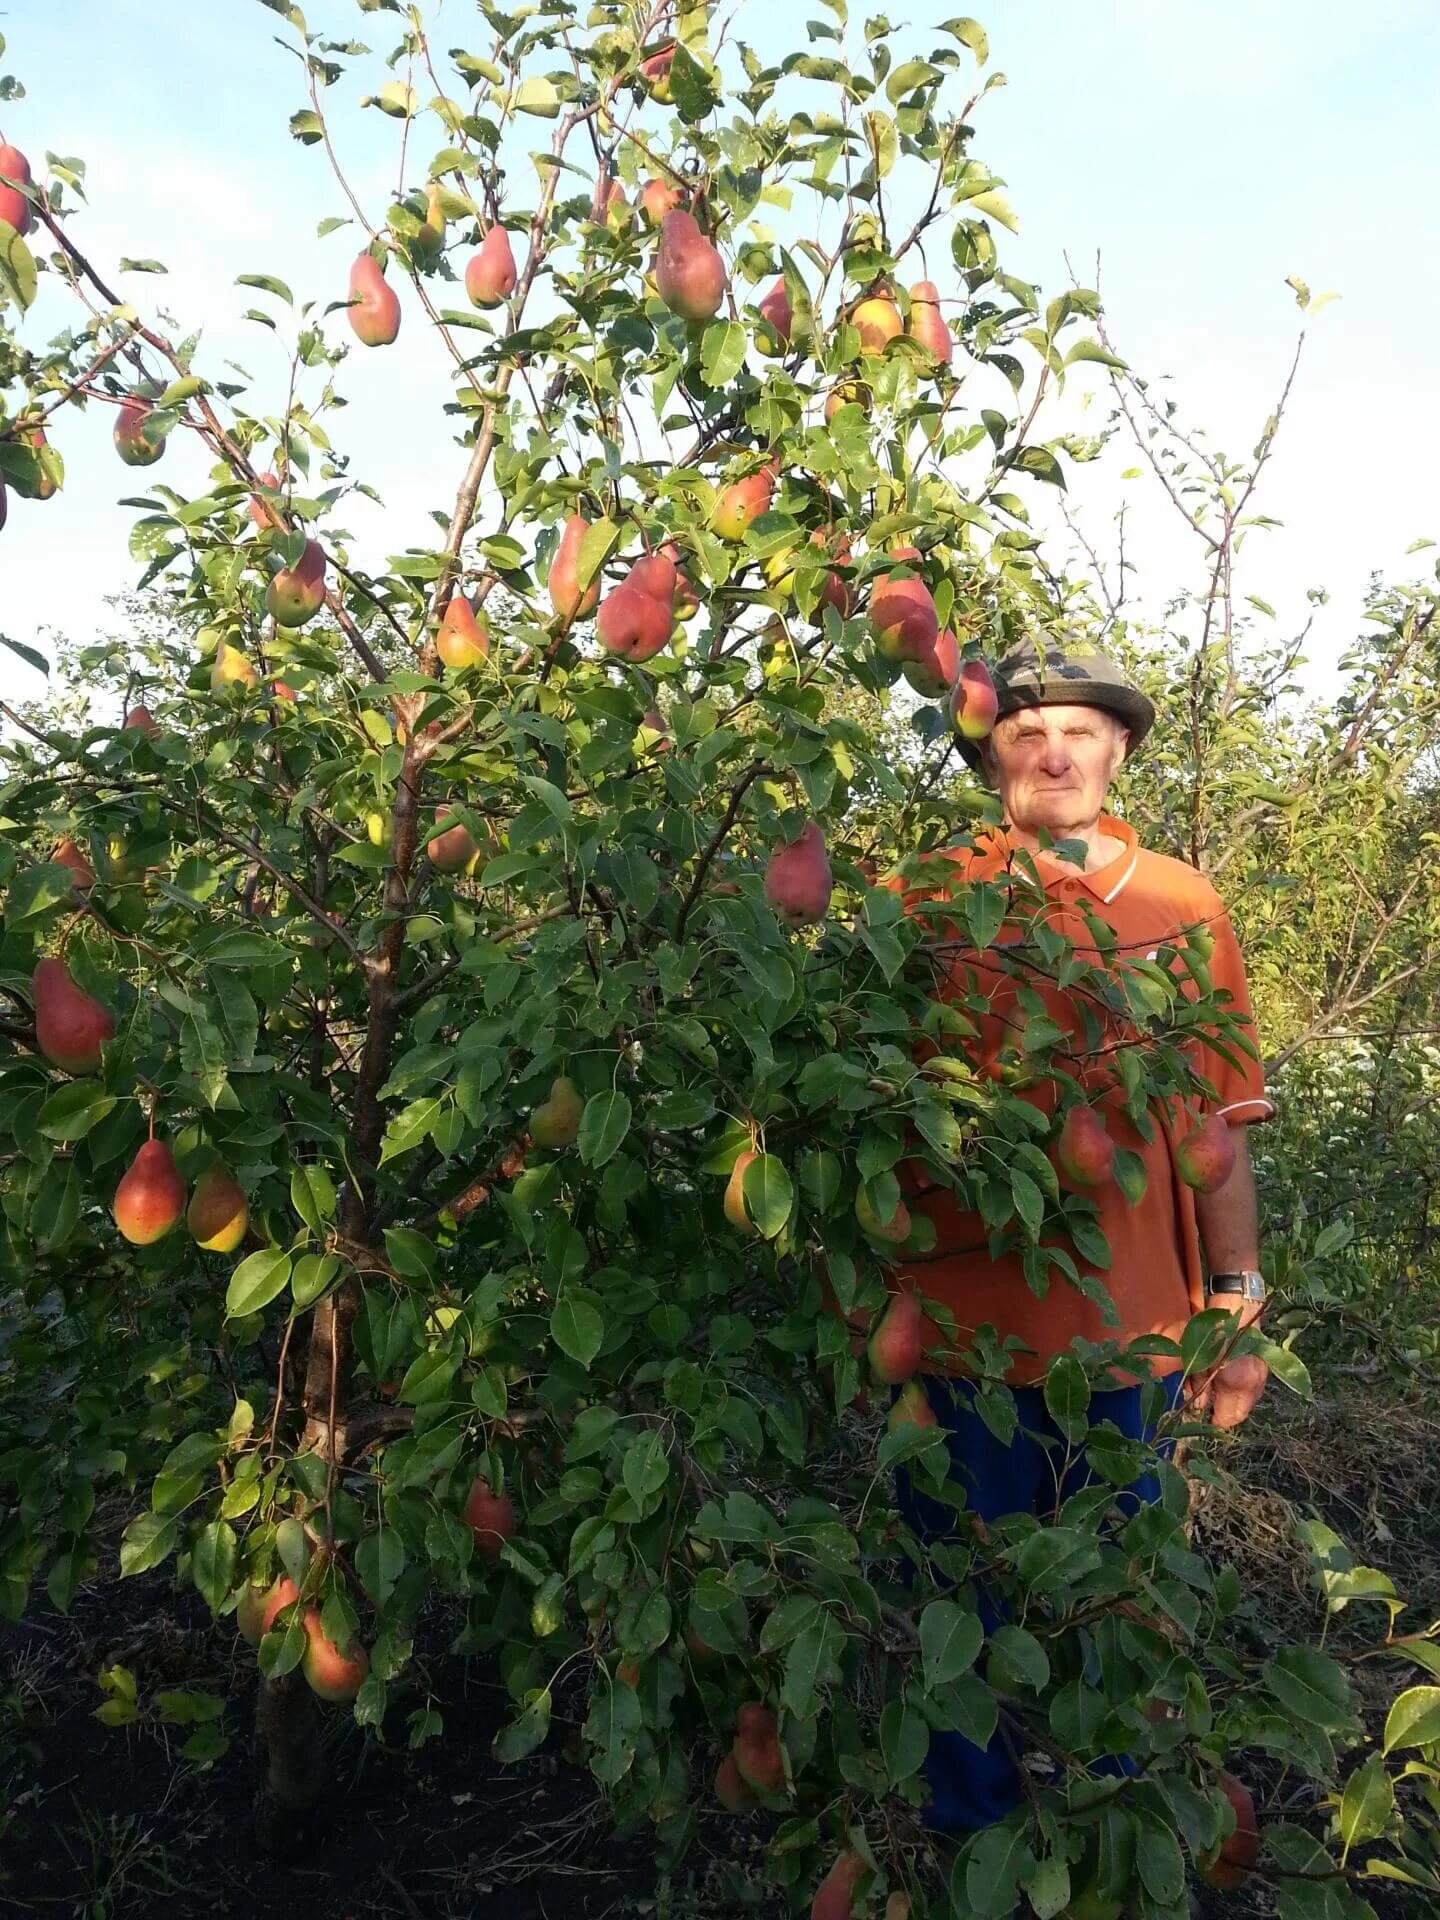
(1229, 1394)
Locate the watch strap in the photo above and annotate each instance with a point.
(1248, 1285)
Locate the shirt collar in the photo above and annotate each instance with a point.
(994, 850)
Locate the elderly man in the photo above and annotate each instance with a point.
(1065, 724)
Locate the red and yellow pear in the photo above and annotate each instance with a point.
(261, 514)
(689, 272)
(887, 1233)
(776, 311)
(490, 278)
(877, 320)
(556, 1121)
(927, 324)
(71, 1026)
(902, 613)
(798, 881)
(846, 395)
(47, 486)
(15, 207)
(974, 703)
(835, 1896)
(231, 668)
(1085, 1151)
(743, 501)
(657, 198)
(1205, 1158)
(464, 637)
(67, 854)
(374, 310)
(453, 850)
(759, 1757)
(141, 720)
(258, 1605)
(837, 591)
(936, 672)
(895, 1347)
(569, 599)
(911, 1408)
(637, 617)
(735, 1209)
(296, 594)
(1240, 1849)
(731, 1788)
(431, 237)
(612, 206)
(655, 71)
(331, 1673)
(129, 437)
(218, 1213)
(490, 1516)
(151, 1195)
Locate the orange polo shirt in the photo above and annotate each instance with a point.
(1155, 1277)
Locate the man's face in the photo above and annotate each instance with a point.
(1052, 766)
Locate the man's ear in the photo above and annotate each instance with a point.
(1122, 744)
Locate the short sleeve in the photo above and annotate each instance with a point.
(1239, 1081)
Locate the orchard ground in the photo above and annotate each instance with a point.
(114, 1823)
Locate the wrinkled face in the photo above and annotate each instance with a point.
(1052, 766)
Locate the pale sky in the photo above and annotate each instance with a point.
(1205, 152)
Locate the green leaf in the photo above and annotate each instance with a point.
(396, 99)
(257, 1281)
(74, 1110)
(538, 95)
(212, 1563)
(527, 1730)
(951, 1637)
(312, 1194)
(722, 352)
(1413, 1719)
(1314, 1688)
(768, 1194)
(149, 1539)
(998, 208)
(603, 1127)
(1367, 1803)
(577, 1324)
(17, 269)
(1092, 350)
(970, 34)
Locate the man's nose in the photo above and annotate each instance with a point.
(1056, 757)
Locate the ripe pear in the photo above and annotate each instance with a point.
(230, 668)
(835, 1895)
(687, 600)
(464, 637)
(453, 850)
(431, 237)
(331, 1673)
(296, 594)
(776, 311)
(71, 1026)
(759, 1757)
(1205, 1158)
(1240, 1849)
(15, 207)
(567, 597)
(735, 1210)
(218, 1213)
(837, 592)
(927, 325)
(374, 310)
(637, 617)
(657, 198)
(902, 616)
(895, 1345)
(655, 70)
(151, 1195)
(653, 734)
(731, 1788)
(935, 672)
(845, 396)
(67, 854)
(1086, 1152)
(877, 320)
(973, 702)
(490, 1516)
(743, 501)
(556, 1121)
(260, 511)
(258, 1606)
(911, 1408)
(490, 277)
(141, 720)
(46, 487)
(611, 205)
(130, 442)
(889, 1232)
(689, 272)
(798, 881)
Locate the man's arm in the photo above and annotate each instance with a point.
(1229, 1223)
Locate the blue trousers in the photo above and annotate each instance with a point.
(972, 1786)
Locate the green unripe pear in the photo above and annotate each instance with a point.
(556, 1121)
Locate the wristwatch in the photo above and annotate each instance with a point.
(1248, 1285)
